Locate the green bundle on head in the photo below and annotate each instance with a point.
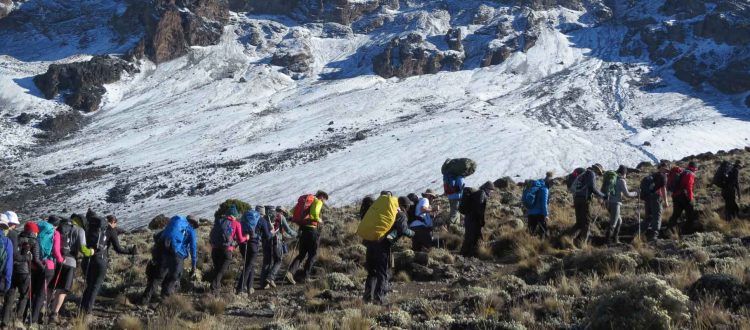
(226, 208)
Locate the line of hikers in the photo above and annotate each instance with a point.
(40, 261)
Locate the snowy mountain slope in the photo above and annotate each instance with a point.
(222, 122)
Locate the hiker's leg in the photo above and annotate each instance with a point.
(580, 206)
(733, 207)
(267, 256)
(242, 279)
(381, 270)
(312, 254)
(370, 262)
(654, 205)
(691, 216)
(612, 211)
(98, 272)
(217, 256)
(531, 220)
(40, 292)
(252, 254)
(276, 257)
(11, 298)
(586, 229)
(24, 289)
(64, 285)
(175, 265)
(302, 246)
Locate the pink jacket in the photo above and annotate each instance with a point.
(236, 234)
(56, 253)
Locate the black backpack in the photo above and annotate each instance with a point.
(648, 183)
(722, 175)
(221, 233)
(23, 254)
(464, 206)
(67, 238)
(96, 233)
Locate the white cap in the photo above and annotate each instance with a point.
(12, 218)
(4, 221)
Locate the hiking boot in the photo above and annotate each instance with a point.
(290, 278)
(54, 319)
(250, 291)
(267, 286)
(617, 240)
(272, 284)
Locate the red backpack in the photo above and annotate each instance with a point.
(674, 178)
(301, 214)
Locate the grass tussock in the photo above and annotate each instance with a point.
(128, 322)
(213, 306)
(174, 305)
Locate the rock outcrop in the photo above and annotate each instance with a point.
(172, 26)
(337, 11)
(412, 55)
(82, 82)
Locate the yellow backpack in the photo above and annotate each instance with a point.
(379, 219)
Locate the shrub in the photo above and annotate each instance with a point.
(638, 302)
(241, 206)
(128, 322)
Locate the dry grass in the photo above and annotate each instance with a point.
(708, 315)
(79, 323)
(567, 286)
(174, 305)
(354, 320)
(128, 322)
(402, 277)
(213, 306)
(684, 276)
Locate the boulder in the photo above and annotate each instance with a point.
(406, 57)
(730, 291)
(82, 81)
(454, 38)
(59, 126)
(159, 222)
(504, 183)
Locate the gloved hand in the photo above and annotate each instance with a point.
(194, 275)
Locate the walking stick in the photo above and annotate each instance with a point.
(27, 306)
(244, 267)
(638, 211)
(86, 279)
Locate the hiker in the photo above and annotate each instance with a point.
(6, 259)
(475, 205)
(25, 257)
(366, 203)
(454, 187)
(583, 187)
(273, 254)
(225, 233)
(536, 201)
(654, 194)
(100, 236)
(615, 192)
(49, 252)
(683, 198)
(72, 241)
(154, 268)
(250, 223)
(422, 226)
(731, 191)
(10, 293)
(178, 241)
(378, 255)
(307, 214)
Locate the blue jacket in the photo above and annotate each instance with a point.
(8, 261)
(455, 181)
(181, 236)
(541, 202)
(264, 229)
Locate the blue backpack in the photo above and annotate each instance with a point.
(221, 233)
(175, 233)
(529, 195)
(249, 222)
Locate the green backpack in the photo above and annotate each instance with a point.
(610, 183)
(46, 237)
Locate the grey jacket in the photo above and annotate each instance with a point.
(621, 190)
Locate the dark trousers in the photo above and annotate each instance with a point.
(96, 271)
(422, 240)
(222, 258)
(683, 205)
(167, 271)
(377, 261)
(245, 282)
(581, 229)
(17, 298)
(272, 254)
(538, 225)
(308, 248)
(731, 208)
(652, 216)
(472, 235)
(39, 290)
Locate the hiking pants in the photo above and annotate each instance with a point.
(172, 266)
(731, 209)
(683, 205)
(16, 298)
(615, 218)
(272, 254)
(652, 216)
(422, 240)
(155, 275)
(245, 282)
(40, 291)
(308, 248)
(454, 217)
(472, 235)
(97, 272)
(377, 261)
(538, 225)
(222, 258)
(581, 229)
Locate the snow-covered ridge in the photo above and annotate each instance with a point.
(223, 121)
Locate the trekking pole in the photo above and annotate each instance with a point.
(638, 212)
(244, 267)
(86, 278)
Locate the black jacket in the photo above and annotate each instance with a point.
(588, 179)
(21, 262)
(113, 241)
(732, 185)
(478, 207)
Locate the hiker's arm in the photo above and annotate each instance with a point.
(56, 247)
(35, 256)
(545, 202)
(193, 248)
(402, 226)
(592, 186)
(238, 236)
(8, 263)
(85, 250)
(689, 188)
(287, 228)
(115, 241)
(624, 189)
(664, 196)
(315, 209)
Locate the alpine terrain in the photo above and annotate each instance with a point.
(143, 107)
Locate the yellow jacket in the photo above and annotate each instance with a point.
(315, 209)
